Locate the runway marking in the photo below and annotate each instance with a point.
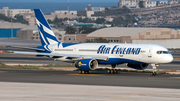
(87, 74)
(157, 78)
(175, 77)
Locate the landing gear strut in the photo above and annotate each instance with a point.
(83, 72)
(113, 70)
(153, 73)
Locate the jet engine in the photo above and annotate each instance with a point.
(87, 64)
(138, 66)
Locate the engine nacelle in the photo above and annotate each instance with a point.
(87, 64)
(138, 66)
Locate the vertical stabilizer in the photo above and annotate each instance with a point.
(46, 34)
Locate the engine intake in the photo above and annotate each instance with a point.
(87, 64)
(138, 66)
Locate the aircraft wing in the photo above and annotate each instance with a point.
(99, 58)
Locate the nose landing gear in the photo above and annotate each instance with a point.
(153, 73)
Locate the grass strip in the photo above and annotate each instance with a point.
(32, 67)
(49, 67)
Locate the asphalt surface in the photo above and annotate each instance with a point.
(18, 42)
(15, 91)
(94, 78)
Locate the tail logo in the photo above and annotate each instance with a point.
(46, 34)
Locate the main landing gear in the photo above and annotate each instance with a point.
(83, 72)
(153, 73)
(113, 70)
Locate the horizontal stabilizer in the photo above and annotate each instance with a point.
(30, 48)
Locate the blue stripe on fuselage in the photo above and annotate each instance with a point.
(69, 44)
(118, 61)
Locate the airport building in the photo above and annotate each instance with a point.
(62, 14)
(116, 34)
(95, 9)
(31, 33)
(166, 37)
(12, 12)
(8, 29)
(146, 3)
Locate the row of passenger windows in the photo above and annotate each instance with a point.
(109, 40)
(86, 50)
(63, 49)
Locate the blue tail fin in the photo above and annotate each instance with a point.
(46, 34)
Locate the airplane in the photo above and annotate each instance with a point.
(87, 56)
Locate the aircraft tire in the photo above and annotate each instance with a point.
(86, 72)
(153, 73)
(83, 72)
(80, 71)
(115, 71)
(112, 71)
(109, 71)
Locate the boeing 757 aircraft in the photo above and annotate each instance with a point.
(87, 56)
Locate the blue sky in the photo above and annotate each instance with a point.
(59, 0)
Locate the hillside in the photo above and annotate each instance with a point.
(164, 15)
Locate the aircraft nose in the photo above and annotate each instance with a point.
(170, 58)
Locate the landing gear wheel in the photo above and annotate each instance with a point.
(109, 71)
(80, 71)
(154, 70)
(86, 72)
(115, 71)
(153, 73)
(83, 72)
(112, 71)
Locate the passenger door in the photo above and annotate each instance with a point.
(150, 53)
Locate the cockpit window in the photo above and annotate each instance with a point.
(163, 52)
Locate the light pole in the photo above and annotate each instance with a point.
(68, 5)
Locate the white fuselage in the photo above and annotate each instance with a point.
(119, 53)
